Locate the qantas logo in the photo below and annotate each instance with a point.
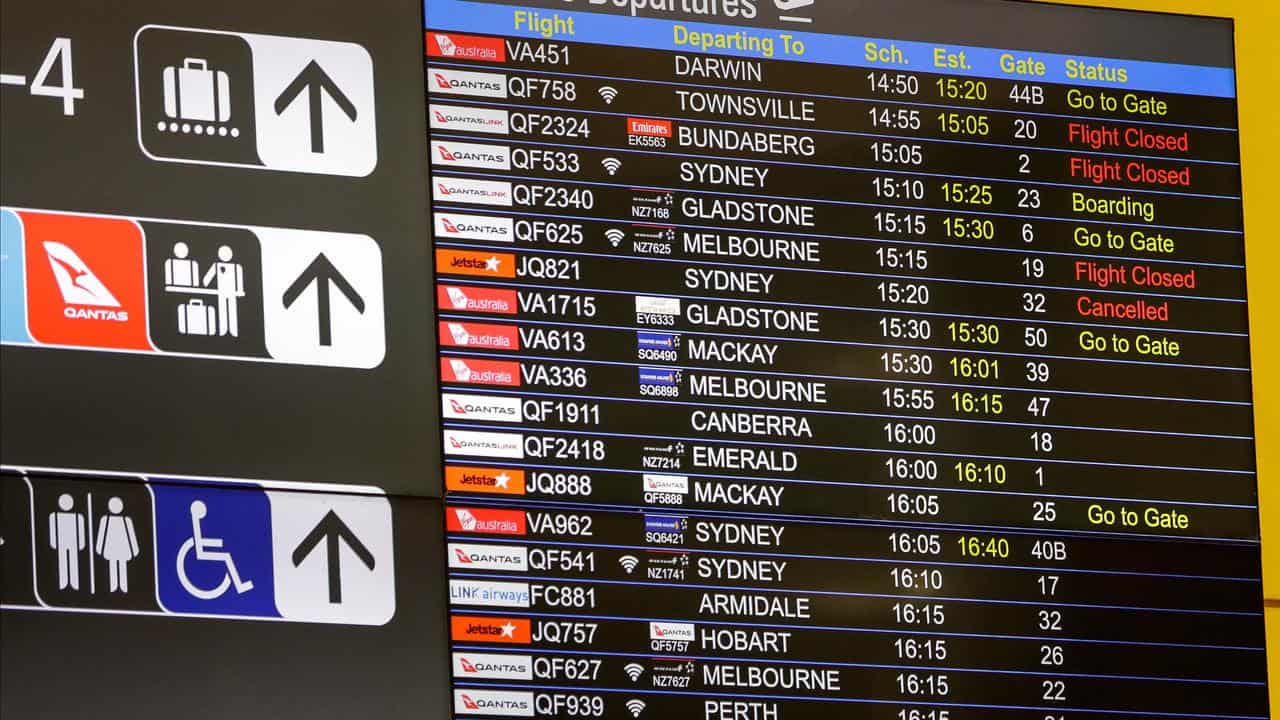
(493, 702)
(487, 666)
(468, 556)
(672, 631)
(484, 444)
(473, 299)
(469, 119)
(475, 227)
(481, 407)
(474, 155)
(480, 192)
(462, 82)
(80, 287)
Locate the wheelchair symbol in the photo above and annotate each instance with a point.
(208, 549)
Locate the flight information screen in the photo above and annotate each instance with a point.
(829, 359)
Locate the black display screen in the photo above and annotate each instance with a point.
(816, 359)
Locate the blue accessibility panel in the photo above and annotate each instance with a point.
(13, 281)
(213, 550)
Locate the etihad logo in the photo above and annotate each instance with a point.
(470, 262)
(484, 444)
(468, 556)
(488, 593)
(479, 192)
(493, 702)
(481, 407)
(485, 520)
(480, 372)
(649, 128)
(463, 82)
(648, 305)
(479, 335)
(475, 299)
(492, 666)
(679, 632)
(469, 119)
(472, 155)
(474, 227)
(466, 47)
(467, 628)
(494, 481)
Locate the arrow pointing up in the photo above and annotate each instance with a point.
(332, 530)
(323, 273)
(314, 80)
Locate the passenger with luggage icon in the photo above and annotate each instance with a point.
(224, 279)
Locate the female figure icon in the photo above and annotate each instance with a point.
(117, 544)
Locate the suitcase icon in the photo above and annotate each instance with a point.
(194, 92)
(196, 318)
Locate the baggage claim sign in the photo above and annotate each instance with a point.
(790, 374)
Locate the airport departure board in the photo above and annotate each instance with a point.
(842, 359)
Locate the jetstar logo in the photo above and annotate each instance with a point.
(480, 372)
(484, 444)
(469, 119)
(649, 128)
(496, 481)
(462, 82)
(480, 192)
(468, 262)
(481, 407)
(468, 628)
(479, 335)
(472, 155)
(466, 47)
(487, 666)
(486, 520)
(474, 299)
(474, 227)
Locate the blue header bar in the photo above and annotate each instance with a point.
(770, 44)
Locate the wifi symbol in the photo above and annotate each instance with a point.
(609, 94)
(629, 563)
(611, 165)
(615, 236)
(633, 670)
(636, 706)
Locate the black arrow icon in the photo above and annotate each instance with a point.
(315, 80)
(332, 530)
(323, 273)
